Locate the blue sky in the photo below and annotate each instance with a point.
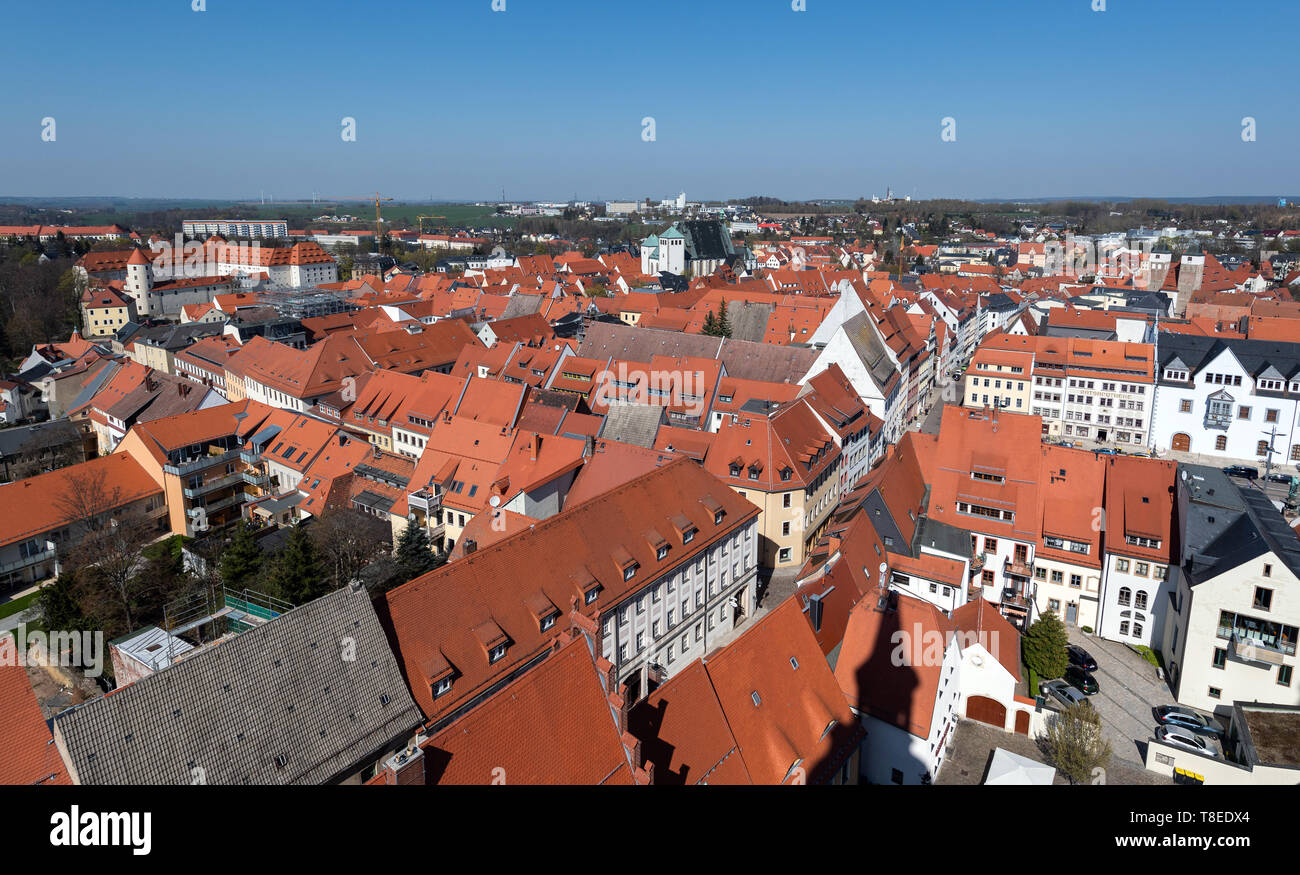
(545, 99)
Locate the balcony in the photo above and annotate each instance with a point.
(427, 500)
(1218, 420)
(1247, 649)
(977, 562)
(213, 485)
(1012, 598)
(194, 465)
(235, 498)
(1018, 569)
(27, 562)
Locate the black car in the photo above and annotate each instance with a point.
(1278, 477)
(1241, 471)
(1080, 657)
(1083, 680)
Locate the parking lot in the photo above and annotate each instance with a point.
(1129, 689)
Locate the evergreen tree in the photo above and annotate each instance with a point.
(57, 604)
(298, 575)
(724, 324)
(414, 555)
(710, 325)
(242, 560)
(1044, 646)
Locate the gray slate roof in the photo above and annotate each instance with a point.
(870, 348)
(632, 423)
(743, 359)
(1227, 525)
(1256, 356)
(280, 690)
(53, 433)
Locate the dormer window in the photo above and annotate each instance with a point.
(590, 595)
(1176, 374)
(786, 473)
(548, 621)
(688, 536)
(442, 687)
(717, 517)
(735, 470)
(630, 571)
(662, 553)
(497, 653)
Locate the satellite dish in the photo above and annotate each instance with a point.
(884, 566)
(494, 500)
(977, 661)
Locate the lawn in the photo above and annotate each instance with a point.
(8, 609)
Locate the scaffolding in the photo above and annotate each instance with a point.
(225, 611)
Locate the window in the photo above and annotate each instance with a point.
(785, 500)
(1054, 605)
(990, 545)
(1121, 565)
(1123, 628)
(1268, 570)
(591, 594)
(1215, 692)
(785, 528)
(1058, 576)
(1261, 448)
(896, 776)
(1284, 675)
(1221, 442)
(1140, 600)
(1142, 569)
(717, 518)
(662, 552)
(1076, 581)
(688, 536)
(548, 621)
(1220, 657)
(1159, 572)
(1263, 598)
(1243, 413)
(496, 653)
(442, 687)
(629, 572)
(1125, 596)
(1270, 415)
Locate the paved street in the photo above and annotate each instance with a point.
(1130, 688)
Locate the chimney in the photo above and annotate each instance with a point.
(591, 445)
(536, 445)
(406, 767)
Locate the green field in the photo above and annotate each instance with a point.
(396, 212)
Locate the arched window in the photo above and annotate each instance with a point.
(1140, 602)
(1221, 442)
(1125, 595)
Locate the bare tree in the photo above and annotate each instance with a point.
(350, 541)
(105, 535)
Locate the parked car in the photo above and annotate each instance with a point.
(1185, 718)
(1063, 693)
(1082, 680)
(1179, 737)
(1279, 477)
(1241, 471)
(1080, 657)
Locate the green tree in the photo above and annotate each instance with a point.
(724, 324)
(58, 602)
(414, 552)
(298, 574)
(710, 325)
(242, 560)
(1045, 647)
(1073, 743)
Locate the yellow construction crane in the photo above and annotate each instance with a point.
(422, 218)
(379, 221)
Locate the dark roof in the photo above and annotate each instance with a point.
(16, 440)
(743, 359)
(280, 690)
(706, 239)
(1227, 525)
(1256, 356)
